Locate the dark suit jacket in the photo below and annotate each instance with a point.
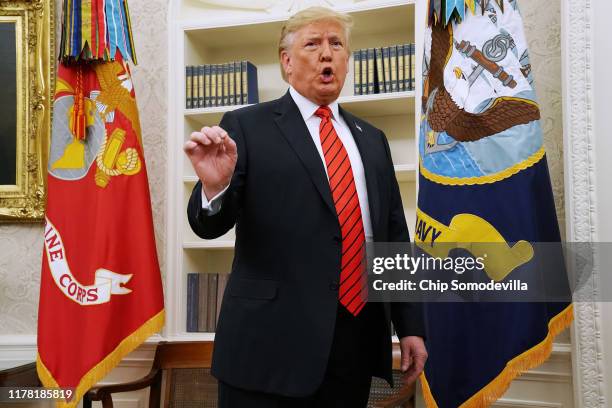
(277, 317)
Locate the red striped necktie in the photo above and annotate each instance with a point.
(353, 291)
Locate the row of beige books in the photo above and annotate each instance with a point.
(384, 69)
(209, 85)
(204, 294)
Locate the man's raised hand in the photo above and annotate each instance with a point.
(213, 155)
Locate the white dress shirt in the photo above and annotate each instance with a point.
(307, 110)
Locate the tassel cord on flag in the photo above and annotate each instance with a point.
(514, 368)
(100, 370)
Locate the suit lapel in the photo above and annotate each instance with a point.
(293, 128)
(362, 139)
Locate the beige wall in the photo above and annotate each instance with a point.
(21, 245)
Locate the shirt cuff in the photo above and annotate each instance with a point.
(214, 205)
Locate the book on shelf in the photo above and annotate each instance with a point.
(406, 66)
(250, 93)
(219, 85)
(213, 85)
(188, 89)
(371, 70)
(232, 86)
(201, 88)
(401, 85)
(384, 69)
(387, 68)
(380, 73)
(226, 90)
(211, 308)
(238, 82)
(357, 72)
(393, 68)
(192, 302)
(364, 71)
(207, 99)
(204, 296)
(232, 83)
(194, 87)
(202, 311)
(412, 48)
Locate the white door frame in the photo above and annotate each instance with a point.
(583, 23)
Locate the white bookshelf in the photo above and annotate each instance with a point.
(208, 34)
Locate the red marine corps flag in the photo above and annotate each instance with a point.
(101, 293)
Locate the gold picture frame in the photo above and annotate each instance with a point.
(23, 176)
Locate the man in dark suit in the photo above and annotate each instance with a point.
(306, 184)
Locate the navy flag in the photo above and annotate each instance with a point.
(483, 177)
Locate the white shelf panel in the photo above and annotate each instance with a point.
(385, 104)
(405, 172)
(213, 110)
(209, 116)
(379, 105)
(192, 241)
(209, 244)
(189, 336)
(262, 29)
(197, 260)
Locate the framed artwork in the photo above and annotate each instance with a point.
(27, 50)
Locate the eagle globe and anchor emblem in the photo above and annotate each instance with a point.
(72, 154)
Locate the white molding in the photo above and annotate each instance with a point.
(211, 244)
(18, 340)
(17, 350)
(516, 403)
(383, 104)
(580, 194)
(189, 25)
(175, 130)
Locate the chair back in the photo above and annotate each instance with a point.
(181, 375)
(22, 376)
(381, 393)
(187, 379)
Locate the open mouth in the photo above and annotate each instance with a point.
(327, 75)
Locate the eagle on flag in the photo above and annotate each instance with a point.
(483, 177)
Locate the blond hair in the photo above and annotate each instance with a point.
(308, 16)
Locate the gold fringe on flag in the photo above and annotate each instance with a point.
(514, 368)
(100, 370)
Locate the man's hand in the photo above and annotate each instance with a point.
(213, 155)
(414, 356)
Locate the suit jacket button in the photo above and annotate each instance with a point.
(334, 286)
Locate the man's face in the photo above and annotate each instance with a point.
(317, 61)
